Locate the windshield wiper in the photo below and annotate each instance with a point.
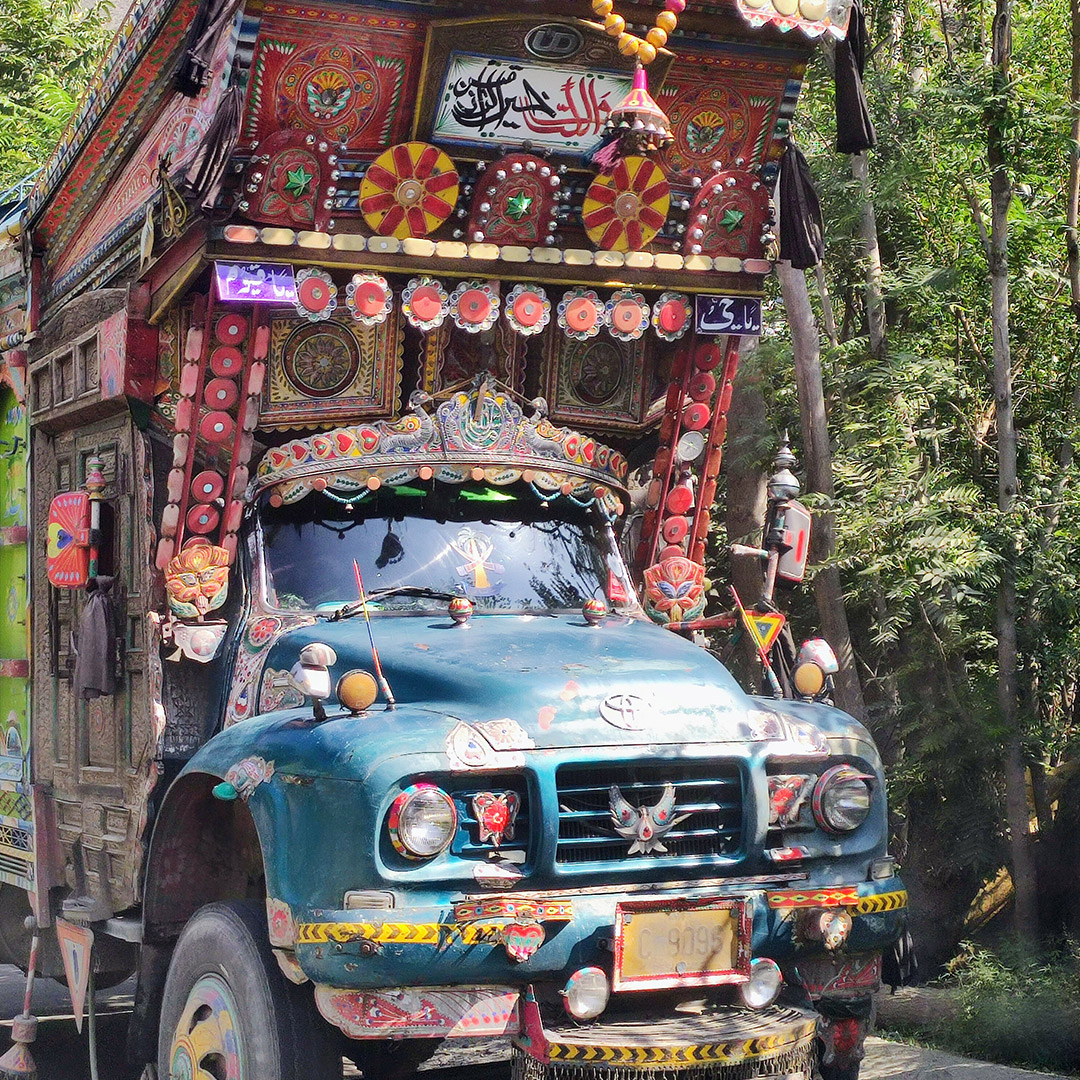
(354, 608)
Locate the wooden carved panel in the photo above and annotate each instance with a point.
(95, 756)
(601, 382)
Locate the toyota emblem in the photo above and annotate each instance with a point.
(627, 711)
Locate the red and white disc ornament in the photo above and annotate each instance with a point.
(474, 306)
(425, 303)
(580, 314)
(528, 310)
(316, 294)
(369, 299)
(672, 316)
(627, 315)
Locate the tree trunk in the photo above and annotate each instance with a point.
(1023, 864)
(875, 298)
(748, 429)
(828, 592)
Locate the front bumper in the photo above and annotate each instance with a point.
(514, 940)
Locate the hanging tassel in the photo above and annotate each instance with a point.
(854, 128)
(204, 176)
(637, 125)
(802, 233)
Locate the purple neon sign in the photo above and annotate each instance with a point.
(258, 283)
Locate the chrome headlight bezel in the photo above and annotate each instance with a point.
(419, 807)
(842, 798)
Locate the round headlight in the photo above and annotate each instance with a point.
(422, 822)
(586, 993)
(842, 798)
(764, 984)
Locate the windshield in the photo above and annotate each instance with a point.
(503, 548)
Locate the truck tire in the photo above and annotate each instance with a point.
(229, 1014)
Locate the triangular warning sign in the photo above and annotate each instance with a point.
(76, 945)
(766, 626)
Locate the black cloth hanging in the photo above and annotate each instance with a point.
(95, 659)
(204, 175)
(802, 234)
(854, 128)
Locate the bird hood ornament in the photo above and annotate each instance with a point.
(646, 826)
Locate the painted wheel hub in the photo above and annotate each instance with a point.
(409, 192)
(205, 1045)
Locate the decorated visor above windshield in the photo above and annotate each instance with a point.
(476, 435)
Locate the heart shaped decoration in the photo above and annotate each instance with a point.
(522, 940)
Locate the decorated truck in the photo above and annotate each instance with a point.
(366, 372)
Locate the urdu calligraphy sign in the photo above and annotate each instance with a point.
(491, 101)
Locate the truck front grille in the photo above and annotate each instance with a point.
(710, 792)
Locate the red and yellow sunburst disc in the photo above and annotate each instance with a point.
(624, 211)
(408, 190)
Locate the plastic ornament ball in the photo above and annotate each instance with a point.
(666, 21)
(646, 53)
(614, 24)
(656, 37)
(678, 6)
(602, 7)
(629, 45)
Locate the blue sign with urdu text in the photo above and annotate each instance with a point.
(727, 315)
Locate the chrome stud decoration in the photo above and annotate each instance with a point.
(495, 815)
(646, 826)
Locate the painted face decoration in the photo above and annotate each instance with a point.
(197, 581)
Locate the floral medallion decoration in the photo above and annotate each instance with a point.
(672, 316)
(322, 362)
(515, 202)
(425, 303)
(475, 306)
(528, 310)
(580, 314)
(624, 210)
(316, 294)
(197, 580)
(627, 315)
(674, 590)
(369, 299)
(408, 190)
(496, 815)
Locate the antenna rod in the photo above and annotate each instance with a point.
(383, 684)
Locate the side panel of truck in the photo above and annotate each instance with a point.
(89, 753)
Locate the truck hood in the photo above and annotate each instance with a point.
(562, 682)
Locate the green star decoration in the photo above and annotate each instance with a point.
(731, 220)
(519, 205)
(297, 181)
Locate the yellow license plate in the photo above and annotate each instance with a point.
(666, 945)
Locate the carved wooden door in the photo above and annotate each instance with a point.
(94, 757)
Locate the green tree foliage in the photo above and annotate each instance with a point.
(921, 540)
(48, 51)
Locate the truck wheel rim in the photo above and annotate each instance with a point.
(206, 1045)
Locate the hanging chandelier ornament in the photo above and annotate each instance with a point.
(637, 125)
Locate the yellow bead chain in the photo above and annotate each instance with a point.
(628, 44)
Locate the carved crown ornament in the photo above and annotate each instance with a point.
(476, 431)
